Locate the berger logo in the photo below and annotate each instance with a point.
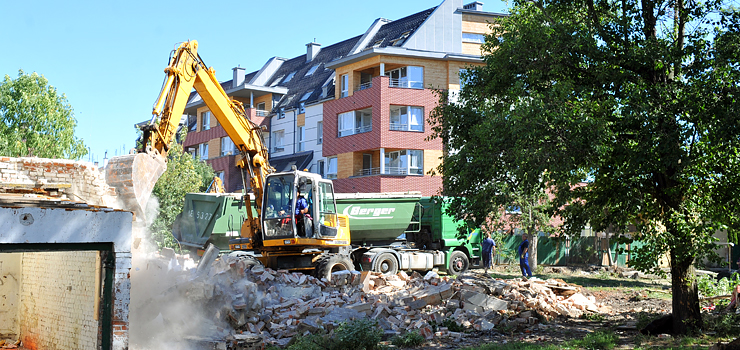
(360, 213)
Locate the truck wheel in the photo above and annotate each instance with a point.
(458, 263)
(332, 263)
(386, 264)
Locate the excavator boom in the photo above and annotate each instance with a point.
(134, 175)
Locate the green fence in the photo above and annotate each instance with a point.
(563, 251)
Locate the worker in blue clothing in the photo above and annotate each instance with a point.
(488, 246)
(524, 256)
(301, 210)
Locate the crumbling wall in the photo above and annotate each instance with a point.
(76, 180)
(58, 300)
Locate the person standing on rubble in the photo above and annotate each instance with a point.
(488, 246)
(524, 256)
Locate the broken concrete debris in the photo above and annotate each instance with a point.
(255, 301)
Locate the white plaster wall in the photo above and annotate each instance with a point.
(288, 125)
(314, 115)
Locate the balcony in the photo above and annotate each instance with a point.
(406, 83)
(388, 171)
(261, 113)
(364, 86)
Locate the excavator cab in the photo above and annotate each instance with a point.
(285, 194)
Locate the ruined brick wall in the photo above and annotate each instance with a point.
(77, 180)
(58, 300)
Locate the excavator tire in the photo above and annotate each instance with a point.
(329, 263)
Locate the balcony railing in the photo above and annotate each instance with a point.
(399, 126)
(261, 113)
(364, 86)
(388, 171)
(405, 83)
(360, 130)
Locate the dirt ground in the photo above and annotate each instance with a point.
(628, 301)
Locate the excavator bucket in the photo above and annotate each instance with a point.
(133, 176)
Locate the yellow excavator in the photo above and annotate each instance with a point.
(297, 226)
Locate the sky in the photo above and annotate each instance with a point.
(108, 57)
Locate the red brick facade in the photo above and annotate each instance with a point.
(380, 97)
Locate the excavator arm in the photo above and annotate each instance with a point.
(187, 71)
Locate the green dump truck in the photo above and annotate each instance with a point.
(389, 231)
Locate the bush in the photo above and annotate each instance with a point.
(361, 334)
(408, 340)
(710, 286)
(723, 324)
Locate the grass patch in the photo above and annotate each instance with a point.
(597, 341)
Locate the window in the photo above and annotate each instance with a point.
(319, 133)
(220, 175)
(227, 146)
(312, 70)
(290, 76)
(193, 152)
(203, 151)
(276, 81)
(261, 106)
(345, 86)
(301, 108)
(407, 118)
(331, 171)
(404, 162)
(281, 113)
(278, 138)
(205, 121)
(320, 166)
(355, 122)
(407, 77)
(192, 123)
(301, 138)
(473, 38)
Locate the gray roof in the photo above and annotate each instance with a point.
(396, 32)
(300, 83)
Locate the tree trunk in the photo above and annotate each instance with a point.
(532, 248)
(686, 310)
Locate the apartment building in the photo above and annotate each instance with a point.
(354, 111)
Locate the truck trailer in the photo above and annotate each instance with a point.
(389, 232)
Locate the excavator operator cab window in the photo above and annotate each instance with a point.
(327, 210)
(278, 204)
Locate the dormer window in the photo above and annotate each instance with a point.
(290, 76)
(378, 43)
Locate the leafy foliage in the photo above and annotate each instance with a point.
(360, 334)
(409, 340)
(638, 99)
(35, 120)
(184, 174)
(712, 287)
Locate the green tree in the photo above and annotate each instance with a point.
(35, 120)
(183, 175)
(639, 98)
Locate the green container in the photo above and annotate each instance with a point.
(210, 218)
(377, 218)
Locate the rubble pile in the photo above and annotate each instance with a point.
(252, 300)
